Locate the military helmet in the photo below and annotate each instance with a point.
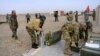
(70, 16)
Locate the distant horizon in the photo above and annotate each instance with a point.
(40, 12)
(45, 6)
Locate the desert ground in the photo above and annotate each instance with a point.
(11, 47)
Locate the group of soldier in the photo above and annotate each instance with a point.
(33, 26)
(75, 32)
(72, 31)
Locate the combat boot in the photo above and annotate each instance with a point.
(67, 52)
(16, 38)
(34, 45)
(13, 36)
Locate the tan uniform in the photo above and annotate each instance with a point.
(34, 24)
(32, 27)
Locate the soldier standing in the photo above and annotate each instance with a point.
(36, 15)
(56, 16)
(13, 24)
(28, 17)
(32, 27)
(76, 16)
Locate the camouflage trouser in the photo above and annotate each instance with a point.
(67, 39)
(33, 35)
(74, 38)
(67, 46)
(14, 33)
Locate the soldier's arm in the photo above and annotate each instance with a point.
(38, 28)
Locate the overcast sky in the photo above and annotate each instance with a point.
(32, 6)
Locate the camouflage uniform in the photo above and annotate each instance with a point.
(67, 38)
(70, 33)
(32, 27)
(66, 32)
(76, 33)
(13, 25)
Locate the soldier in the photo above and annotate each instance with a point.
(7, 18)
(36, 15)
(70, 31)
(76, 16)
(28, 17)
(56, 16)
(32, 27)
(13, 24)
(66, 33)
(42, 18)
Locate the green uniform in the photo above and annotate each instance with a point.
(13, 25)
